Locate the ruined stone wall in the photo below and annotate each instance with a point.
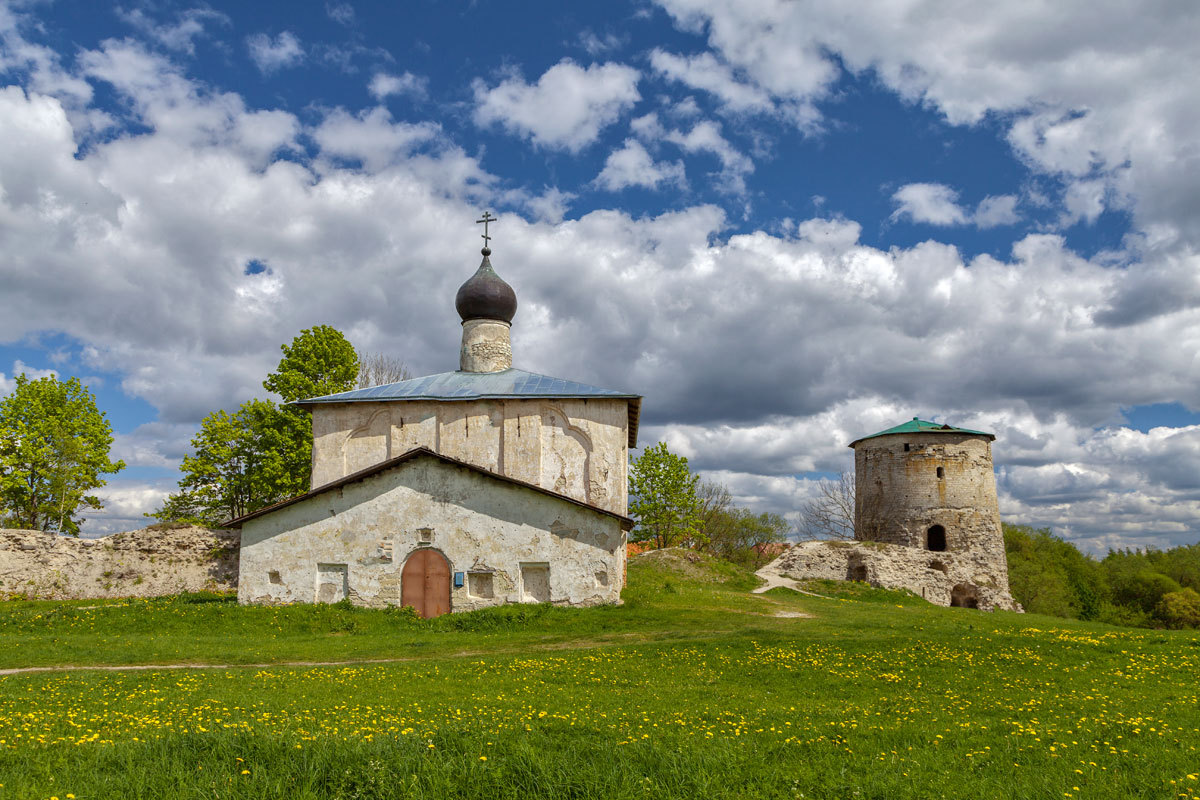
(966, 579)
(512, 543)
(900, 495)
(142, 563)
(575, 447)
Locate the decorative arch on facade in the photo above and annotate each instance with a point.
(368, 444)
(566, 455)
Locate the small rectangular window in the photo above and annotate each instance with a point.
(906, 447)
(941, 472)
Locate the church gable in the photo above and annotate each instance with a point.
(423, 519)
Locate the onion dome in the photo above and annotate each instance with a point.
(485, 295)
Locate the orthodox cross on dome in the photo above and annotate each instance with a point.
(487, 217)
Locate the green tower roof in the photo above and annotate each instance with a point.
(923, 426)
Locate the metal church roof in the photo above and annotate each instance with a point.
(504, 385)
(917, 425)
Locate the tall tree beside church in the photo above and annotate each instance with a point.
(239, 463)
(54, 445)
(262, 454)
(318, 362)
(663, 499)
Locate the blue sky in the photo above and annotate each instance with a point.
(787, 224)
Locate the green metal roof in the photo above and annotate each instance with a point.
(917, 425)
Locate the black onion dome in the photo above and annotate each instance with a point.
(485, 295)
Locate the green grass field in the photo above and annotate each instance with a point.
(695, 688)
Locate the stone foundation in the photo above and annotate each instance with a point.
(942, 578)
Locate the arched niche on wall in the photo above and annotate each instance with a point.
(368, 444)
(566, 455)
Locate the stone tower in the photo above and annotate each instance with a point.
(931, 487)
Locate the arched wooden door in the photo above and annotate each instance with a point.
(425, 583)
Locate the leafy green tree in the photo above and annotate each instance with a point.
(239, 463)
(54, 445)
(262, 454)
(663, 499)
(318, 362)
(743, 537)
(1181, 564)
(1144, 589)
(1050, 576)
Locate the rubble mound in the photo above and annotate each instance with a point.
(944, 578)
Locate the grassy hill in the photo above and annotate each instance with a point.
(694, 688)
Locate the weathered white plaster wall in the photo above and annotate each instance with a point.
(575, 447)
(484, 526)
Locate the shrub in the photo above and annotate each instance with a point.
(1179, 609)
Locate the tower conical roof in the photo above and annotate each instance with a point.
(918, 425)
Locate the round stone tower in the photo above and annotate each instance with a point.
(932, 487)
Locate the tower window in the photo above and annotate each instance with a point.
(906, 447)
(935, 538)
(941, 472)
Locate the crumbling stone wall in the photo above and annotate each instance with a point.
(961, 579)
(141, 563)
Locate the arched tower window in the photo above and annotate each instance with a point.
(935, 538)
(941, 472)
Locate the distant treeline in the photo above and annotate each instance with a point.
(1140, 588)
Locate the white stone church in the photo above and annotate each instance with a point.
(455, 491)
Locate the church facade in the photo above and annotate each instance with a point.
(455, 491)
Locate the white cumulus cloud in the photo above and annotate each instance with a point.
(937, 204)
(632, 165)
(704, 72)
(271, 54)
(706, 137)
(384, 84)
(567, 107)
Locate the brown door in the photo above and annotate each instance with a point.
(425, 583)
